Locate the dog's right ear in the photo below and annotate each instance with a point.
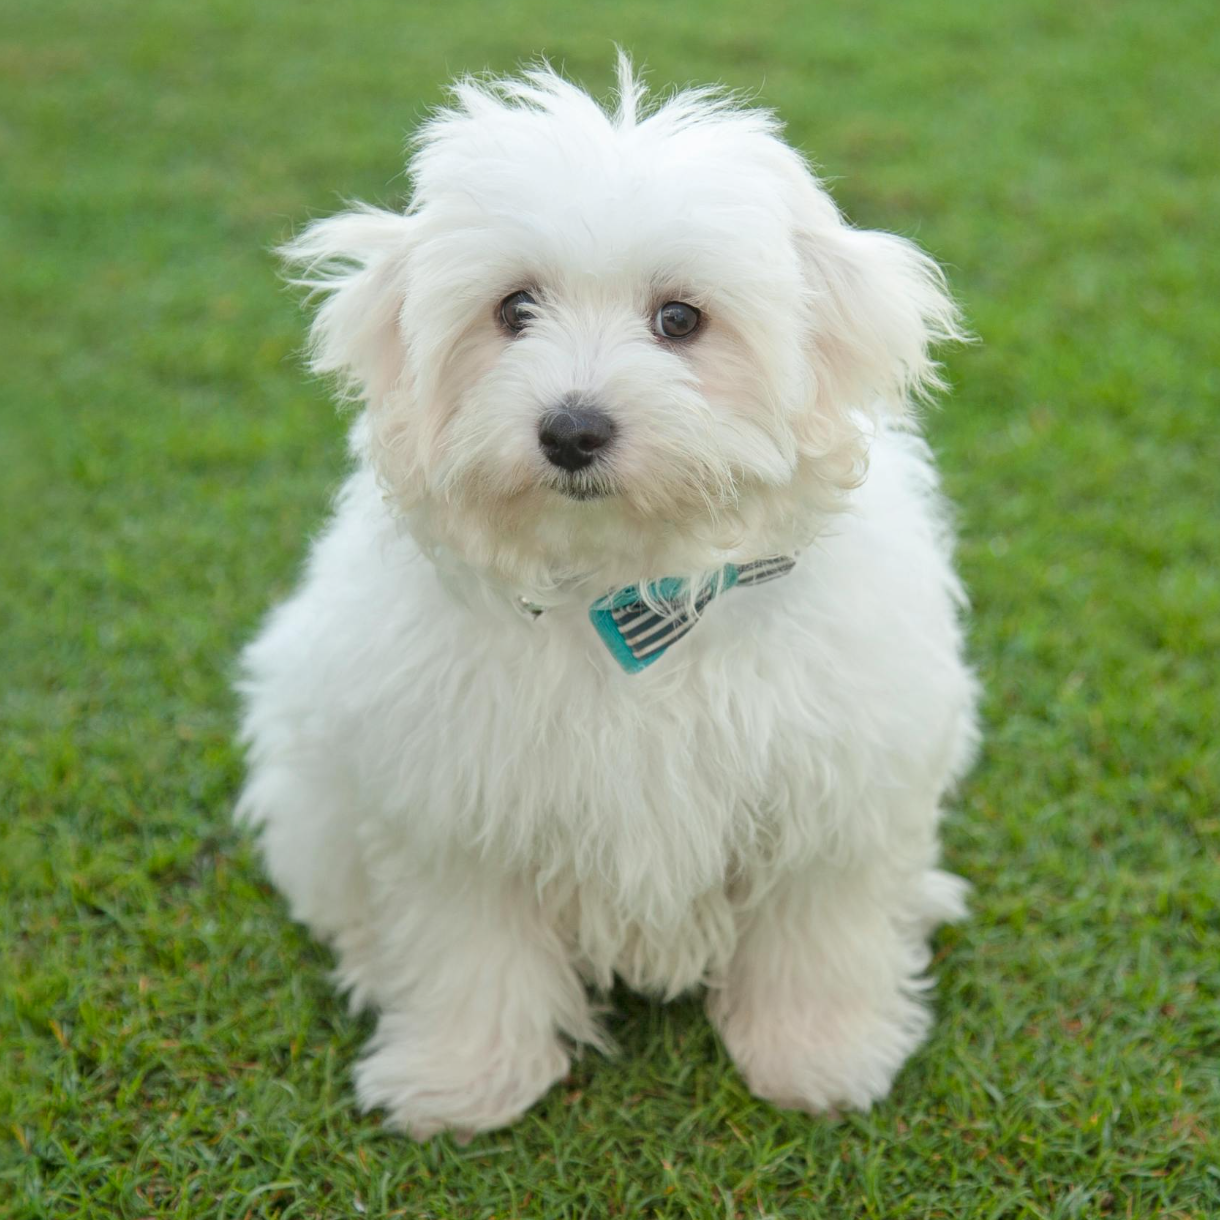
(357, 261)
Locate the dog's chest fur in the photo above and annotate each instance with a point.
(633, 803)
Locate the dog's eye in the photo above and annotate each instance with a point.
(516, 310)
(676, 320)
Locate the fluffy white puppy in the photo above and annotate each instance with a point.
(611, 362)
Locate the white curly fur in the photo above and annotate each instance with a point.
(481, 812)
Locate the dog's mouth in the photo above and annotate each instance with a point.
(584, 493)
(581, 487)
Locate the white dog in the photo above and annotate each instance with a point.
(517, 732)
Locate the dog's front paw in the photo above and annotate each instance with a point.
(428, 1082)
(820, 1058)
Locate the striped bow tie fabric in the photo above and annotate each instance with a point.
(637, 633)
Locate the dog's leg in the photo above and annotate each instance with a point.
(476, 995)
(300, 807)
(821, 1004)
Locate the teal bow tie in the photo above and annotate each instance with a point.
(637, 634)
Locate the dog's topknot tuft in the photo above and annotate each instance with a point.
(543, 90)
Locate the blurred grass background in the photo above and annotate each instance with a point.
(169, 1045)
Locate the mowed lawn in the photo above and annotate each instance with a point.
(169, 1043)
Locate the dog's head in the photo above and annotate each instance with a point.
(616, 343)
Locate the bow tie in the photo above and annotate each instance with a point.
(638, 632)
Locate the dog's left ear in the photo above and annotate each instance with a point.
(357, 261)
(878, 304)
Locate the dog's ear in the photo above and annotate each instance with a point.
(878, 304)
(356, 261)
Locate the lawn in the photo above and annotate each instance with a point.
(169, 1044)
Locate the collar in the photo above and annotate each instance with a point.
(638, 626)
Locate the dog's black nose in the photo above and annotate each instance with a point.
(571, 435)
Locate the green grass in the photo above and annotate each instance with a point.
(169, 1044)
